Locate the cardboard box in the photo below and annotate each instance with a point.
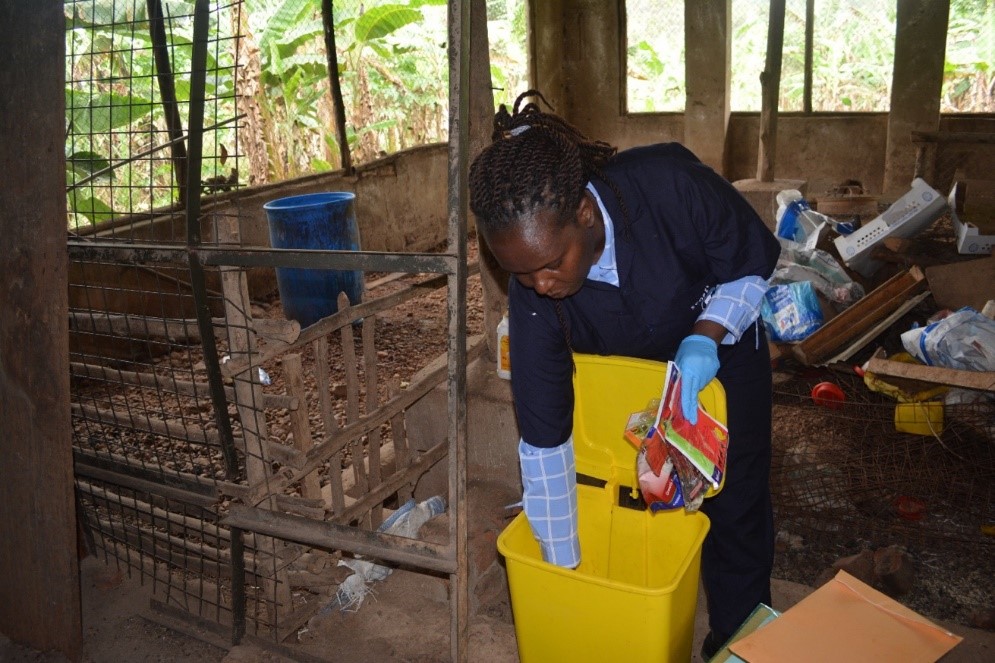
(846, 620)
(972, 204)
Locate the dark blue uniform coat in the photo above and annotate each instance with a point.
(680, 229)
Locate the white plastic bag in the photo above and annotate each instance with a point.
(797, 221)
(964, 339)
(797, 263)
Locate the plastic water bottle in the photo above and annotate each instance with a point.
(503, 349)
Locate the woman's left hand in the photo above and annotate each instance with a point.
(698, 360)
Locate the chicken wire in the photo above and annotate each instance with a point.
(152, 449)
(944, 157)
(187, 394)
(845, 473)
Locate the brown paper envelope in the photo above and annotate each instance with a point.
(845, 620)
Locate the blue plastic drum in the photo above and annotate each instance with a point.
(315, 221)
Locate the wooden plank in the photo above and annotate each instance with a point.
(300, 427)
(249, 400)
(242, 345)
(399, 436)
(352, 399)
(175, 330)
(868, 336)
(145, 423)
(324, 384)
(860, 317)
(331, 536)
(770, 85)
(423, 382)
(384, 280)
(155, 515)
(374, 439)
(982, 380)
(980, 137)
(169, 384)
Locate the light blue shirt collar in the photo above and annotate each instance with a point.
(606, 269)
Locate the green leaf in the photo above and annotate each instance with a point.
(303, 32)
(88, 162)
(93, 209)
(378, 22)
(283, 20)
(382, 52)
(320, 165)
(104, 112)
(377, 126)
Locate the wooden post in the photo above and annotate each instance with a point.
(323, 379)
(402, 456)
(352, 401)
(770, 84)
(374, 439)
(249, 403)
(328, 21)
(39, 579)
(299, 424)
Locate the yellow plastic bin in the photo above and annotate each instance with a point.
(634, 595)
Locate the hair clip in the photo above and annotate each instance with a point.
(519, 130)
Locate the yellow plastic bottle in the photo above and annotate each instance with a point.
(503, 349)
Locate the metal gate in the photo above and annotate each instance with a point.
(219, 448)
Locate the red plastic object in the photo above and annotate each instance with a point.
(910, 508)
(828, 394)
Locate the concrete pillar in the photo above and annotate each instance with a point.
(39, 573)
(548, 71)
(578, 54)
(920, 48)
(707, 45)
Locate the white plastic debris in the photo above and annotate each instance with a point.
(264, 377)
(406, 522)
(964, 340)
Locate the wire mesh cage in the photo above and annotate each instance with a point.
(857, 472)
(191, 394)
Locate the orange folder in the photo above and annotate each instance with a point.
(846, 620)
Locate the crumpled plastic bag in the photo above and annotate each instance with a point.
(965, 340)
(798, 263)
(406, 522)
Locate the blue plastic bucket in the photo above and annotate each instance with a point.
(315, 221)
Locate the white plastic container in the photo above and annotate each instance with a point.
(503, 349)
(906, 217)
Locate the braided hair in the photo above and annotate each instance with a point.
(536, 161)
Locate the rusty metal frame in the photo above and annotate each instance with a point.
(451, 265)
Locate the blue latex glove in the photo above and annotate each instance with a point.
(698, 359)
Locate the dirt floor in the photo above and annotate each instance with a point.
(827, 505)
(405, 621)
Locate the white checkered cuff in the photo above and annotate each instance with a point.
(735, 305)
(549, 480)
